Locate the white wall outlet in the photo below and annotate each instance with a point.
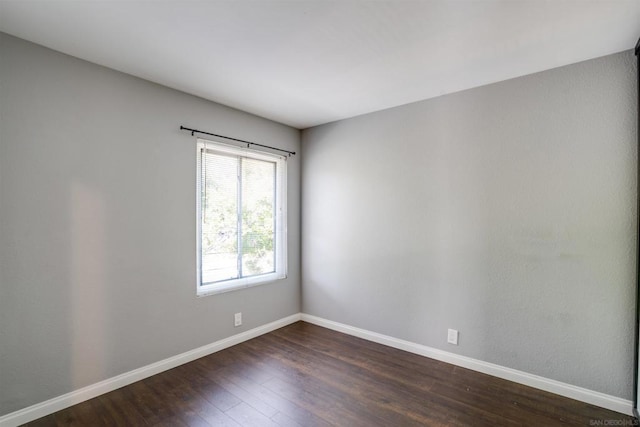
(452, 337)
(237, 319)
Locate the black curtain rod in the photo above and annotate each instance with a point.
(249, 143)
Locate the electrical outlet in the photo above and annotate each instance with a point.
(452, 337)
(237, 319)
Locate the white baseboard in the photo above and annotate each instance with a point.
(50, 406)
(578, 393)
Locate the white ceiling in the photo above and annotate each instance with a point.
(305, 63)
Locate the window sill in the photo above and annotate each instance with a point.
(207, 290)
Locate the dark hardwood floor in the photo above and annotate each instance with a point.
(305, 375)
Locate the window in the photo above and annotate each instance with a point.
(241, 224)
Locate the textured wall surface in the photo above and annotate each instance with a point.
(507, 212)
(97, 225)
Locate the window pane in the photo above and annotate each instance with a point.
(258, 216)
(241, 236)
(219, 218)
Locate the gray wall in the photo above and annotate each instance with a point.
(507, 212)
(97, 225)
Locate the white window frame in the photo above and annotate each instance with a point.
(203, 289)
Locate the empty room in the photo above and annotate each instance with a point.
(319, 213)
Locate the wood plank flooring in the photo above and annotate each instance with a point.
(305, 375)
